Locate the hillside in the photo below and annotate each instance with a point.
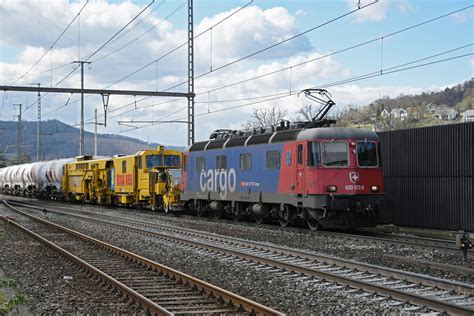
(62, 140)
(406, 111)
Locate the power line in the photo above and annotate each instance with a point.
(278, 43)
(161, 57)
(390, 70)
(96, 51)
(302, 63)
(143, 34)
(179, 46)
(240, 59)
(119, 31)
(52, 45)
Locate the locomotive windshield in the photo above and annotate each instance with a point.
(157, 161)
(154, 161)
(367, 154)
(172, 161)
(335, 154)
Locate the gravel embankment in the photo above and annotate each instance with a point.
(373, 252)
(281, 292)
(51, 284)
(278, 291)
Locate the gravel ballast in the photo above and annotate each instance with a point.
(52, 284)
(286, 293)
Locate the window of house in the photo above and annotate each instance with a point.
(221, 162)
(335, 154)
(273, 159)
(246, 161)
(200, 164)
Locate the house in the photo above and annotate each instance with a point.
(431, 108)
(469, 116)
(445, 114)
(399, 113)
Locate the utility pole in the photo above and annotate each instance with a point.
(190, 74)
(95, 134)
(19, 133)
(38, 125)
(81, 133)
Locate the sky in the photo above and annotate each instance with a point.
(358, 50)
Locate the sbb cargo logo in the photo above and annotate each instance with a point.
(221, 181)
(124, 179)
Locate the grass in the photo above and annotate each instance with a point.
(12, 306)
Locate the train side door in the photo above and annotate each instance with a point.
(299, 165)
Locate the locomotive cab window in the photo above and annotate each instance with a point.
(335, 154)
(172, 161)
(200, 164)
(221, 162)
(154, 161)
(367, 154)
(314, 159)
(273, 159)
(140, 162)
(124, 166)
(300, 154)
(246, 161)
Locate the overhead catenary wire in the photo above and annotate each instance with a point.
(178, 47)
(52, 45)
(91, 55)
(361, 44)
(119, 31)
(240, 59)
(377, 73)
(141, 35)
(163, 56)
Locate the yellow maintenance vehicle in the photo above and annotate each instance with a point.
(145, 179)
(88, 180)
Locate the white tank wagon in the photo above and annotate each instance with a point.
(49, 177)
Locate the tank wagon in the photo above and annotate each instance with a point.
(325, 176)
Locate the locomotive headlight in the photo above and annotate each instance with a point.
(331, 188)
(374, 188)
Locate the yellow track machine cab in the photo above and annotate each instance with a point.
(145, 179)
(88, 180)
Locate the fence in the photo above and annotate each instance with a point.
(429, 173)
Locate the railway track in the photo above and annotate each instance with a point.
(158, 289)
(390, 287)
(362, 235)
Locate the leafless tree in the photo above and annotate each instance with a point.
(263, 117)
(306, 112)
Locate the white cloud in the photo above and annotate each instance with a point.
(464, 16)
(472, 62)
(378, 11)
(374, 13)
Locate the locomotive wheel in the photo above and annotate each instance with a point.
(216, 214)
(313, 223)
(284, 217)
(200, 209)
(283, 221)
(258, 219)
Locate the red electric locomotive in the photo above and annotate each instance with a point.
(329, 177)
